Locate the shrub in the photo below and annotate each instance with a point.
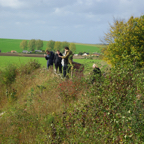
(80, 53)
(69, 89)
(8, 74)
(125, 41)
(113, 113)
(29, 67)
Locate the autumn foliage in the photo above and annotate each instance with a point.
(69, 89)
(126, 42)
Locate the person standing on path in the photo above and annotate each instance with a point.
(50, 58)
(67, 61)
(57, 61)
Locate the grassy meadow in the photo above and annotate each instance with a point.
(90, 48)
(18, 60)
(6, 45)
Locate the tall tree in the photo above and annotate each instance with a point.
(65, 44)
(23, 45)
(126, 42)
(72, 47)
(50, 45)
(32, 45)
(57, 45)
(39, 44)
(49, 48)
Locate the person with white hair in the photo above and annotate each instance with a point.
(96, 73)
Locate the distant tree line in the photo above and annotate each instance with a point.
(57, 45)
(31, 45)
(51, 45)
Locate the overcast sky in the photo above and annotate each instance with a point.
(83, 21)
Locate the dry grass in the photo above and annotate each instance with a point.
(25, 116)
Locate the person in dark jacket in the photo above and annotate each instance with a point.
(50, 58)
(57, 61)
(96, 74)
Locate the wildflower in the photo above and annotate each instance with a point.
(129, 111)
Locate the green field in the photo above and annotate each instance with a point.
(6, 45)
(87, 48)
(5, 60)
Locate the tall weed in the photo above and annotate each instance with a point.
(8, 75)
(29, 67)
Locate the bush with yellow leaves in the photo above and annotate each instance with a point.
(126, 42)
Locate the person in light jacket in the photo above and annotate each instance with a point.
(67, 61)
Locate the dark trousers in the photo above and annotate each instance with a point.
(66, 69)
(49, 66)
(58, 65)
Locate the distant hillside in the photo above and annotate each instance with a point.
(6, 45)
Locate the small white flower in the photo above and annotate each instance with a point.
(2, 113)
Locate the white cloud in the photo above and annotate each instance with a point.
(11, 3)
(71, 20)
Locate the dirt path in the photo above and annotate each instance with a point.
(31, 55)
(18, 54)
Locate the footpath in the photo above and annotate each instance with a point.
(32, 55)
(24, 55)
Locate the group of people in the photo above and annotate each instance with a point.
(65, 61)
(60, 60)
